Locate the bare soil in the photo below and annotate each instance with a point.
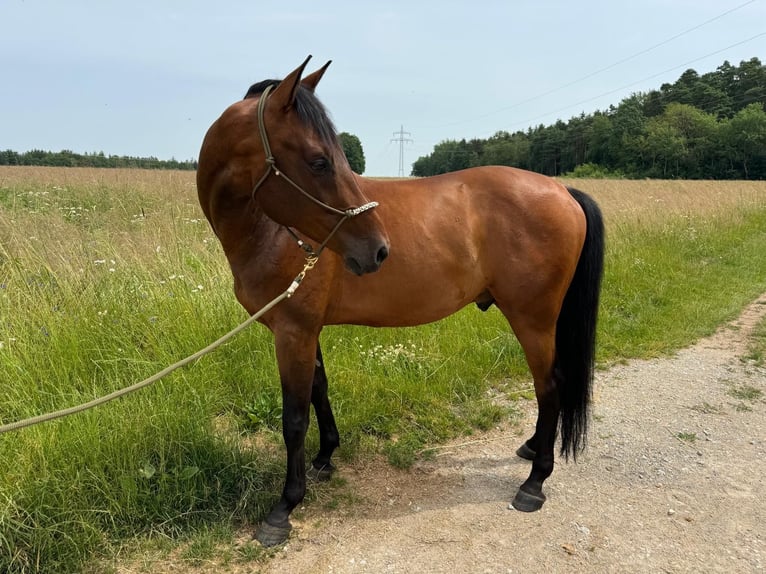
(672, 481)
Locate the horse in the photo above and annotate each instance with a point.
(276, 188)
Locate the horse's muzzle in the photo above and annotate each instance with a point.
(369, 263)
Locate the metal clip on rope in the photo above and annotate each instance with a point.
(311, 260)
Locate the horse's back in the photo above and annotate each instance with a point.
(473, 235)
(482, 190)
(476, 208)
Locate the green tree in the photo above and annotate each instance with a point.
(700, 132)
(449, 155)
(629, 122)
(750, 83)
(722, 80)
(9, 157)
(547, 145)
(600, 133)
(744, 138)
(352, 147)
(664, 146)
(506, 149)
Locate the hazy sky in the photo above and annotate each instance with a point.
(139, 77)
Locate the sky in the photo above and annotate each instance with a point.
(147, 78)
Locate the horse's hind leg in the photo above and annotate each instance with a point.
(329, 438)
(539, 347)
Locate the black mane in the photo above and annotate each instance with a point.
(308, 107)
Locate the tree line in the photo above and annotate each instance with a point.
(709, 126)
(67, 158)
(350, 143)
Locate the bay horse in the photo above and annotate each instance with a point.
(274, 184)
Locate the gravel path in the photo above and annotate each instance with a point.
(672, 481)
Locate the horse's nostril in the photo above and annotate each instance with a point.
(382, 254)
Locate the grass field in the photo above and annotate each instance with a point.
(107, 276)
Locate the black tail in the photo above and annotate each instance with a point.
(576, 332)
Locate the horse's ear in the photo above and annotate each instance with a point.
(284, 94)
(310, 82)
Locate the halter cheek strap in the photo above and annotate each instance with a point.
(271, 167)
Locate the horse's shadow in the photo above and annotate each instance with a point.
(448, 480)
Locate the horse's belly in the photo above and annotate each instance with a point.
(403, 301)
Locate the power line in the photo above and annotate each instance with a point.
(609, 67)
(640, 81)
(402, 140)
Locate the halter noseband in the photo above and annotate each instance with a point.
(271, 167)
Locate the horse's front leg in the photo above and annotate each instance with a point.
(296, 359)
(329, 438)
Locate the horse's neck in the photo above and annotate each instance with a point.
(373, 187)
(246, 233)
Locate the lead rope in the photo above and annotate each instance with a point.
(311, 260)
(286, 294)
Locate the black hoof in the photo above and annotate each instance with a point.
(526, 502)
(269, 535)
(320, 474)
(525, 452)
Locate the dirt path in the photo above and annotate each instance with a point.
(673, 481)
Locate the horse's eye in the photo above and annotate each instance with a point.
(320, 165)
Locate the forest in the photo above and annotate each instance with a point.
(67, 158)
(351, 145)
(709, 126)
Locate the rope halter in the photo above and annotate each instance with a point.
(271, 167)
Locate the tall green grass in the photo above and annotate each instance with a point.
(99, 288)
(106, 277)
(676, 283)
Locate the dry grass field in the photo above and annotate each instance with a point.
(620, 199)
(653, 201)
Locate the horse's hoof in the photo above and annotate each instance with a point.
(320, 474)
(269, 535)
(525, 452)
(526, 502)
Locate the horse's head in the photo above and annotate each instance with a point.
(301, 177)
